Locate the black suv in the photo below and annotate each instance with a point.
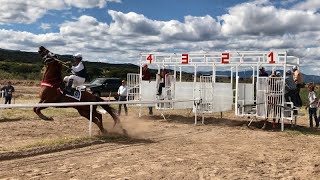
(104, 87)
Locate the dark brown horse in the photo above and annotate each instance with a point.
(50, 92)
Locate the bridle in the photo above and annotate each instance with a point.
(44, 53)
(49, 58)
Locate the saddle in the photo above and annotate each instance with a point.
(73, 93)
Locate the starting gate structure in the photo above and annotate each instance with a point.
(246, 93)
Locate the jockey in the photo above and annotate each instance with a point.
(78, 76)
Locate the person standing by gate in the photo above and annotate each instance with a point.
(297, 77)
(262, 72)
(147, 77)
(122, 92)
(290, 89)
(163, 75)
(312, 106)
(8, 90)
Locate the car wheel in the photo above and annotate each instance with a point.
(96, 94)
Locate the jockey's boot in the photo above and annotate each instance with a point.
(68, 88)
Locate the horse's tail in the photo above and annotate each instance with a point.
(110, 110)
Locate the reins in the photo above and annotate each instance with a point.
(55, 59)
(63, 63)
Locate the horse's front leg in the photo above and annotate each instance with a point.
(37, 110)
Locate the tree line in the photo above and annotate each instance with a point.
(28, 65)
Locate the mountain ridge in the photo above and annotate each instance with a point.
(248, 74)
(17, 58)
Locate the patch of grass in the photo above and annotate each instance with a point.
(299, 130)
(85, 141)
(69, 141)
(27, 113)
(54, 142)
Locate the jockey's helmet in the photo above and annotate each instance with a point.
(294, 68)
(288, 72)
(278, 73)
(78, 56)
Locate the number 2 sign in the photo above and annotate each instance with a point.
(225, 58)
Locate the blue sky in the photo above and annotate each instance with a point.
(117, 31)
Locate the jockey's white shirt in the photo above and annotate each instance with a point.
(77, 81)
(78, 67)
(122, 91)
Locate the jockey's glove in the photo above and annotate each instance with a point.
(69, 70)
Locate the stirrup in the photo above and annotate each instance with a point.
(67, 90)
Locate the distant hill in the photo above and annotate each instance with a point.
(248, 74)
(27, 65)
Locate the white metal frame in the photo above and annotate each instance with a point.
(232, 60)
(91, 104)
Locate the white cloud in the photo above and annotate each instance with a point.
(45, 26)
(255, 19)
(28, 41)
(89, 4)
(249, 26)
(132, 23)
(19, 11)
(308, 5)
(193, 28)
(29, 11)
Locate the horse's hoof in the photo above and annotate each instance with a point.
(48, 119)
(125, 132)
(104, 132)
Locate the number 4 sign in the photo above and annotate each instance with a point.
(149, 58)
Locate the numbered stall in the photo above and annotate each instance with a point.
(219, 82)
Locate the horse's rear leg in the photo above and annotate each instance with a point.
(111, 111)
(98, 116)
(37, 110)
(86, 113)
(115, 117)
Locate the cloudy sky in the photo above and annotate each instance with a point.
(117, 31)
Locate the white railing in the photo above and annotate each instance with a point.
(91, 104)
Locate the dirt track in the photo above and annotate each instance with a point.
(156, 149)
(176, 149)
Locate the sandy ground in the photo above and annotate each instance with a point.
(164, 149)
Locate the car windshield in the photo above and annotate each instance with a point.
(97, 81)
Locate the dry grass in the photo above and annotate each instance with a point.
(28, 95)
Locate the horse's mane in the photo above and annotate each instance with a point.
(52, 73)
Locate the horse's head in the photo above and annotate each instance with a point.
(43, 51)
(53, 68)
(46, 55)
